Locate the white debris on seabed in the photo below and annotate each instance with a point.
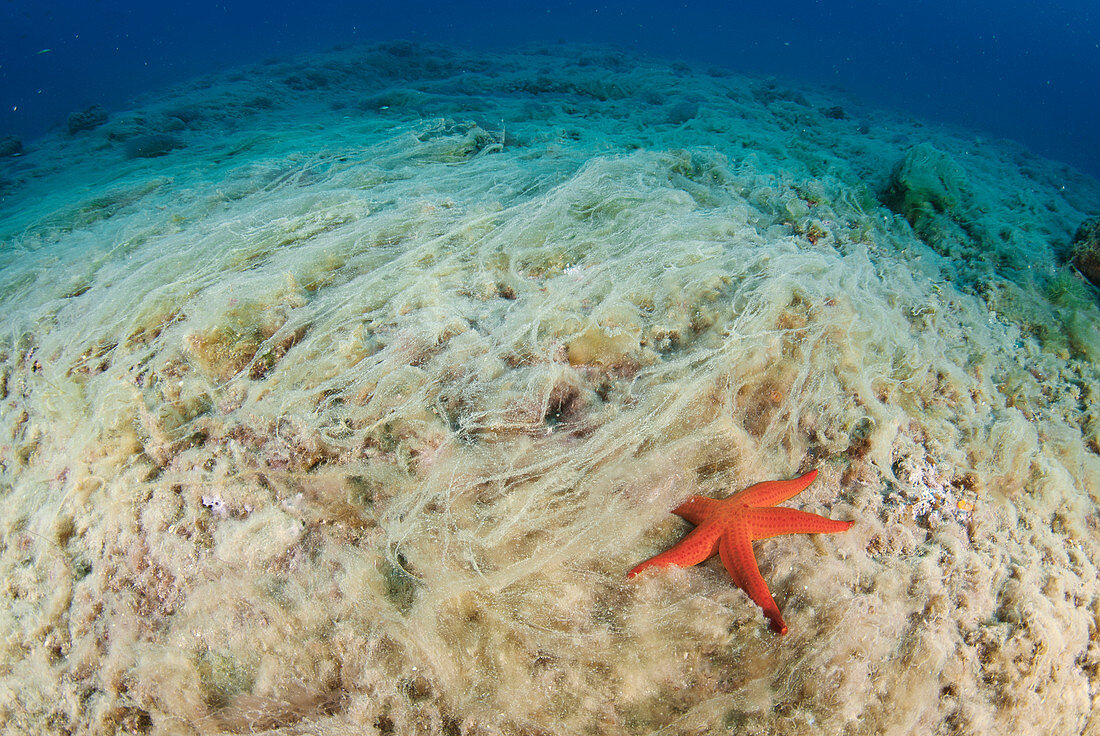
(931, 494)
(216, 505)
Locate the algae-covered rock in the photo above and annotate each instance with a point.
(152, 146)
(601, 346)
(87, 119)
(609, 339)
(258, 539)
(1086, 250)
(925, 183)
(242, 339)
(10, 146)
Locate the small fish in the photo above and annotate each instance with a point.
(45, 51)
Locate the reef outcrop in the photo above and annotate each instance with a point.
(1086, 250)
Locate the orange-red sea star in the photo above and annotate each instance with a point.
(729, 526)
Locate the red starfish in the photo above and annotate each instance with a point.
(729, 526)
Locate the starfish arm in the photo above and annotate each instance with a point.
(691, 550)
(771, 492)
(698, 509)
(772, 522)
(740, 561)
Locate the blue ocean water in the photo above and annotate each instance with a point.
(1026, 70)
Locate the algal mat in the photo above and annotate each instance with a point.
(339, 395)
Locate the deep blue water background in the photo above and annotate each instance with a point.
(1027, 70)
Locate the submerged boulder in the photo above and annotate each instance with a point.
(927, 182)
(152, 146)
(1086, 250)
(86, 119)
(10, 146)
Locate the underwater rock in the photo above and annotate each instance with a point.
(152, 146)
(596, 346)
(311, 79)
(92, 117)
(682, 112)
(925, 183)
(769, 92)
(1086, 250)
(10, 146)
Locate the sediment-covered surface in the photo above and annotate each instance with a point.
(339, 394)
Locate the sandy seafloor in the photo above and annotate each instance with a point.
(350, 413)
